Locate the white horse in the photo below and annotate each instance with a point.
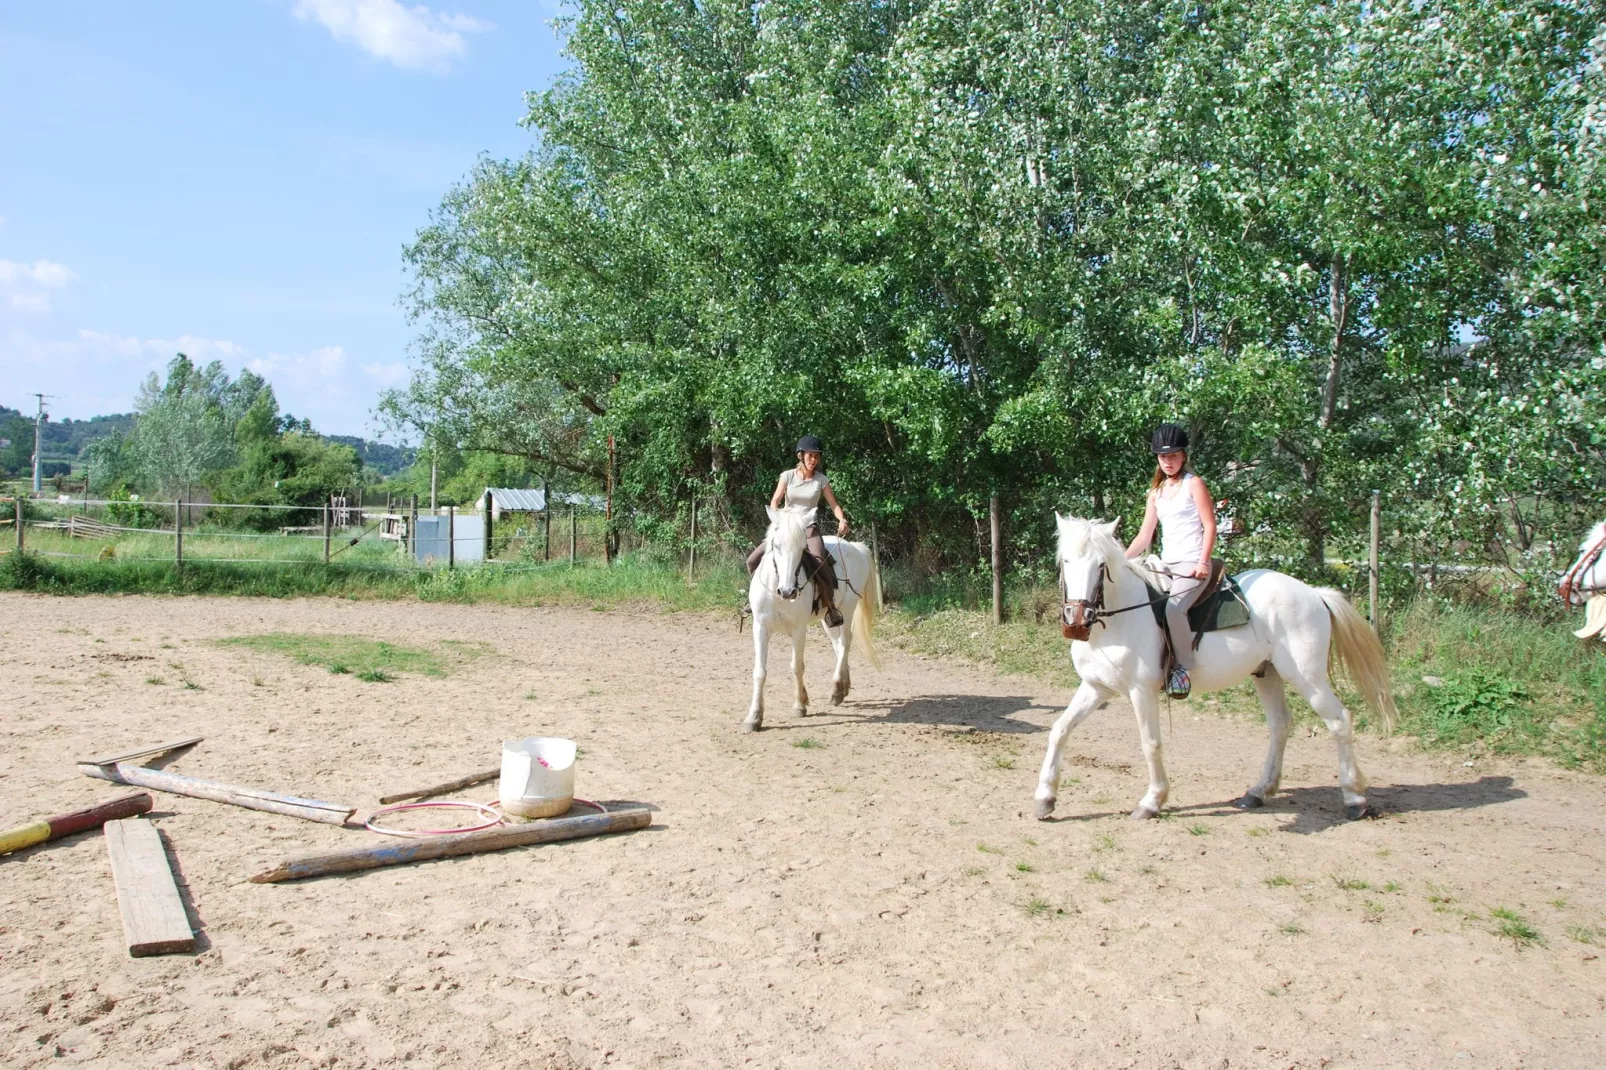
(1293, 632)
(1584, 583)
(781, 597)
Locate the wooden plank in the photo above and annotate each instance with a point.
(401, 853)
(443, 789)
(216, 791)
(154, 922)
(160, 748)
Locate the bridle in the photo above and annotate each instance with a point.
(1078, 615)
(797, 573)
(1583, 565)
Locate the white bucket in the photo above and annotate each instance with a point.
(537, 776)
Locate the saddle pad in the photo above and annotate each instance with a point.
(1224, 609)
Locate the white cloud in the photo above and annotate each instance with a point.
(157, 350)
(36, 303)
(386, 375)
(40, 272)
(413, 38)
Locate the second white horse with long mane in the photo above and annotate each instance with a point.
(1293, 632)
(782, 598)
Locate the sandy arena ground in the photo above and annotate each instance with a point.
(864, 903)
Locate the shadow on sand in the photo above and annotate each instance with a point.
(984, 713)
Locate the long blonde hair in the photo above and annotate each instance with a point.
(1159, 473)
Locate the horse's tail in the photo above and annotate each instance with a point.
(865, 613)
(1357, 648)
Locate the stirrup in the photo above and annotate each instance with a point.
(833, 617)
(1178, 685)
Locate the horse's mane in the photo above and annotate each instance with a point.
(789, 530)
(1078, 538)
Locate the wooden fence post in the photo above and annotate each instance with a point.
(691, 567)
(995, 516)
(546, 521)
(328, 520)
(1377, 526)
(412, 528)
(20, 541)
(574, 533)
(490, 508)
(451, 536)
(178, 532)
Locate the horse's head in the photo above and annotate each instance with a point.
(1085, 555)
(788, 535)
(1587, 573)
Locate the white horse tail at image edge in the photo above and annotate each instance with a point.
(1357, 648)
(869, 607)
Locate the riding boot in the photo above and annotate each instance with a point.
(825, 584)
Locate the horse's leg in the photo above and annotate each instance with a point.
(1146, 704)
(1274, 700)
(1088, 698)
(800, 707)
(841, 641)
(761, 649)
(1319, 693)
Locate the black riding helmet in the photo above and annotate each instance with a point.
(1168, 438)
(810, 444)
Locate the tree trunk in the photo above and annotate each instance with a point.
(1338, 310)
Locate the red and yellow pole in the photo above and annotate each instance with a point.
(53, 828)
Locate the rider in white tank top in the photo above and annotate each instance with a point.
(1182, 534)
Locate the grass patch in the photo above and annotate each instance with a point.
(1351, 884)
(1105, 841)
(1003, 761)
(988, 849)
(1584, 934)
(974, 871)
(1038, 907)
(808, 743)
(1025, 867)
(370, 659)
(155, 681)
(1198, 830)
(1292, 929)
(1095, 876)
(1279, 881)
(1514, 927)
(1258, 830)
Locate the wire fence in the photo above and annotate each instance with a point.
(399, 538)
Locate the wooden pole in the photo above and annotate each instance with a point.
(20, 541)
(996, 519)
(250, 798)
(412, 528)
(607, 525)
(178, 532)
(875, 547)
(405, 851)
(546, 521)
(691, 567)
(1377, 527)
(443, 789)
(574, 533)
(451, 536)
(490, 509)
(328, 521)
(54, 828)
(433, 482)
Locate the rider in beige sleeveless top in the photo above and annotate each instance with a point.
(802, 487)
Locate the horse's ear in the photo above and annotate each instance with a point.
(1112, 527)
(1057, 518)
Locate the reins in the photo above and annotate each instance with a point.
(1092, 610)
(1585, 563)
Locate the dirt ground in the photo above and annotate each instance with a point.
(883, 899)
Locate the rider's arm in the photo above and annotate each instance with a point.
(1207, 516)
(778, 499)
(1145, 535)
(841, 517)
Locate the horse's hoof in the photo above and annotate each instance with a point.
(1144, 813)
(1358, 811)
(1248, 801)
(1043, 809)
(800, 711)
(838, 696)
(752, 726)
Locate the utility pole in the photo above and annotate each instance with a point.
(38, 422)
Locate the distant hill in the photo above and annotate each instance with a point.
(387, 460)
(67, 439)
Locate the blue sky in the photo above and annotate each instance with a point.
(236, 180)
